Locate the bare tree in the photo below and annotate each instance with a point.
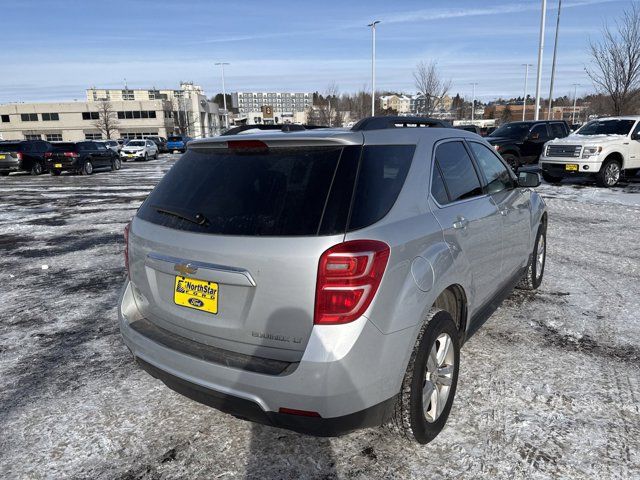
(616, 61)
(327, 106)
(107, 121)
(431, 86)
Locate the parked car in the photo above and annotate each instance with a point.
(304, 280)
(605, 149)
(139, 150)
(177, 143)
(160, 142)
(520, 143)
(470, 128)
(23, 155)
(81, 157)
(113, 145)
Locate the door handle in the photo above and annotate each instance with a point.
(461, 223)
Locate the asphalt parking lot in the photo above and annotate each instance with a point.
(548, 388)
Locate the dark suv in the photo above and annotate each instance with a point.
(23, 155)
(81, 157)
(520, 143)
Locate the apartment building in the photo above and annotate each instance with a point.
(399, 103)
(272, 107)
(135, 115)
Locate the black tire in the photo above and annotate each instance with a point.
(512, 160)
(606, 177)
(36, 169)
(115, 164)
(55, 173)
(146, 157)
(4, 174)
(87, 168)
(155, 157)
(550, 178)
(632, 172)
(535, 270)
(409, 419)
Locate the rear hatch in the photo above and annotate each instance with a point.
(9, 156)
(243, 228)
(63, 155)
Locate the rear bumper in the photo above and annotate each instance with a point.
(65, 166)
(251, 411)
(9, 165)
(350, 377)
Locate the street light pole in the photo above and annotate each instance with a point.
(553, 63)
(224, 95)
(526, 79)
(473, 103)
(373, 65)
(575, 96)
(540, 50)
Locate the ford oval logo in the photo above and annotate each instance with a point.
(196, 302)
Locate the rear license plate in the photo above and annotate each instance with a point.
(571, 167)
(198, 294)
(58, 165)
(2, 157)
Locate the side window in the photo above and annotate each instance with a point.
(438, 190)
(557, 131)
(495, 172)
(540, 129)
(100, 146)
(458, 173)
(636, 131)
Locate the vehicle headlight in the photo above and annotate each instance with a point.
(590, 151)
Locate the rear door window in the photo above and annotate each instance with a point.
(541, 130)
(458, 173)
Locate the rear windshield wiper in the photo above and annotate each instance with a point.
(197, 218)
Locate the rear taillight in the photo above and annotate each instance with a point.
(126, 247)
(349, 275)
(71, 154)
(48, 155)
(247, 145)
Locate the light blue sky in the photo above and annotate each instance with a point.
(53, 50)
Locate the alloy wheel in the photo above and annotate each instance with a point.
(612, 174)
(438, 377)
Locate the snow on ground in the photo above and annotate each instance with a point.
(549, 387)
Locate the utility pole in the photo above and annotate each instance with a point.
(224, 95)
(526, 78)
(553, 63)
(473, 103)
(540, 50)
(575, 96)
(373, 65)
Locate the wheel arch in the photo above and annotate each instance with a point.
(453, 299)
(615, 155)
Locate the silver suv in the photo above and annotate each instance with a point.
(324, 280)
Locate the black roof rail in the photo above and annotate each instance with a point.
(381, 123)
(285, 127)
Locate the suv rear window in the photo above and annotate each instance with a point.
(279, 192)
(64, 147)
(175, 139)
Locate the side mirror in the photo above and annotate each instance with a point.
(528, 179)
(635, 136)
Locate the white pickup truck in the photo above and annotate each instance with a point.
(605, 148)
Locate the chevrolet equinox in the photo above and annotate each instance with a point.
(325, 280)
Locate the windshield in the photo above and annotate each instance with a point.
(136, 143)
(9, 147)
(607, 127)
(511, 130)
(65, 147)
